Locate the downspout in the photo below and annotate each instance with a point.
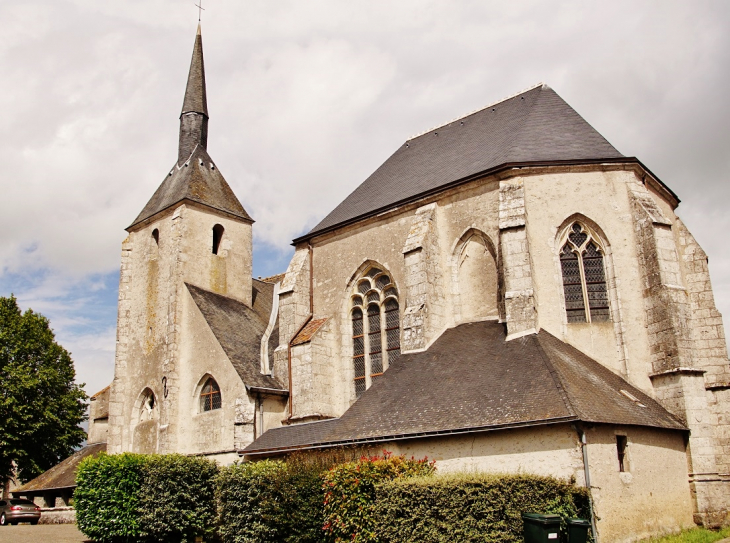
(306, 321)
(586, 470)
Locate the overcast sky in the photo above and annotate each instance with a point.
(306, 99)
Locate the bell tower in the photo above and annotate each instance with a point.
(193, 230)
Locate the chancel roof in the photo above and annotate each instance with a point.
(536, 126)
(471, 379)
(239, 329)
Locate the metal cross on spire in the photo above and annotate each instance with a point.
(201, 9)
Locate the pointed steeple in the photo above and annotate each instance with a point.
(194, 115)
(194, 177)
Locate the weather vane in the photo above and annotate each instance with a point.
(201, 9)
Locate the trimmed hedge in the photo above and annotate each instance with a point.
(107, 497)
(470, 506)
(351, 493)
(134, 497)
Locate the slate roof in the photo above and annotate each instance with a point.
(535, 126)
(196, 99)
(471, 379)
(198, 180)
(239, 328)
(62, 475)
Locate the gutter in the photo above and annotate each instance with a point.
(404, 437)
(483, 173)
(587, 472)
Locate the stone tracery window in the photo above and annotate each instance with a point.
(375, 327)
(210, 396)
(584, 277)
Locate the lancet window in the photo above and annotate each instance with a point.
(210, 396)
(375, 318)
(584, 277)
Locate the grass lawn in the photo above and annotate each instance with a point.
(695, 535)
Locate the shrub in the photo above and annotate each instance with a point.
(250, 502)
(350, 493)
(134, 497)
(107, 497)
(470, 507)
(177, 497)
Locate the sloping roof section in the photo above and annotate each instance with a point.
(62, 475)
(534, 126)
(197, 180)
(307, 333)
(470, 380)
(238, 328)
(196, 99)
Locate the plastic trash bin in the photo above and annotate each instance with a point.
(541, 528)
(578, 529)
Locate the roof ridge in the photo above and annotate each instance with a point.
(419, 134)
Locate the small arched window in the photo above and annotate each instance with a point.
(375, 339)
(147, 405)
(584, 277)
(156, 236)
(217, 237)
(210, 396)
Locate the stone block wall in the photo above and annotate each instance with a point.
(519, 297)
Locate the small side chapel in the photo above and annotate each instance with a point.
(507, 292)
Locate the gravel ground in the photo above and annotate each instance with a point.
(42, 533)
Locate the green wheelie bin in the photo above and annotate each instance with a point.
(541, 528)
(577, 529)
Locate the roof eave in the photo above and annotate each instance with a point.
(491, 171)
(155, 216)
(408, 436)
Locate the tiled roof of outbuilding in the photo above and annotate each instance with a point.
(471, 379)
(63, 474)
(535, 126)
(239, 328)
(197, 180)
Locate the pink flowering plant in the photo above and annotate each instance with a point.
(350, 493)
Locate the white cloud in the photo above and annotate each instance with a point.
(308, 98)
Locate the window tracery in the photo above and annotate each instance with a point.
(375, 318)
(584, 277)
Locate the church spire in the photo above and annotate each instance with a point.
(194, 115)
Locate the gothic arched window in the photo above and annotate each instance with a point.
(584, 277)
(375, 327)
(217, 237)
(210, 396)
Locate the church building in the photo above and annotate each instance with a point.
(505, 293)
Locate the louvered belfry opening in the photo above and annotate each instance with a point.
(210, 396)
(584, 277)
(375, 339)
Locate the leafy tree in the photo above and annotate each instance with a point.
(40, 405)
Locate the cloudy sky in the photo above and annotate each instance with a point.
(306, 100)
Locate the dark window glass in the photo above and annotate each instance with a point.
(210, 396)
(375, 345)
(217, 238)
(572, 285)
(358, 351)
(621, 443)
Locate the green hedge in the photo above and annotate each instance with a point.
(107, 497)
(470, 506)
(133, 497)
(351, 493)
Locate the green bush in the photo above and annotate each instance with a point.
(134, 497)
(107, 497)
(251, 502)
(470, 507)
(350, 491)
(177, 497)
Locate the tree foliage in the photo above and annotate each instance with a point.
(41, 406)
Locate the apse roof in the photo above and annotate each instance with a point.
(535, 126)
(472, 379)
